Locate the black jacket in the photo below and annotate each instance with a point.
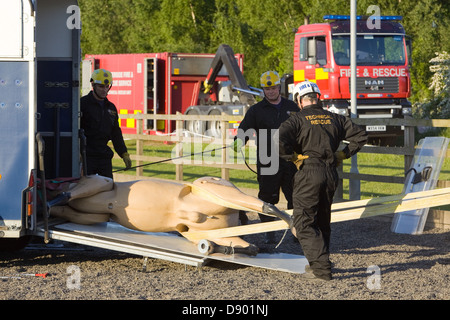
(100, 124)
(317, 133)
(264, 115)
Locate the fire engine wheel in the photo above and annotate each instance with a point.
(214, 128)
(194, 126)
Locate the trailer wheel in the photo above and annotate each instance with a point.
(194, 126)
(14, 244)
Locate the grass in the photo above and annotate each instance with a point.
(368, 163)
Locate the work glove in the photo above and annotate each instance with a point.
(298, 159)
(126, 159)
(237, 145)
(340, 157)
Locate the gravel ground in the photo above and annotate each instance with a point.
(369, 263)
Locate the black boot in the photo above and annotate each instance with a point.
(309, 275)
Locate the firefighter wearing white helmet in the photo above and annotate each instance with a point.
(316, 134)
(307, 89)
(264, 118)
(100, 122)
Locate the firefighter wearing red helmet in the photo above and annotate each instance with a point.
(100, 122)
(264, 118)
(316, 134)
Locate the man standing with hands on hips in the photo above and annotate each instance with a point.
(100, 123)
(310, 139)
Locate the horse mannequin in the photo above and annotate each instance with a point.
(156, 205)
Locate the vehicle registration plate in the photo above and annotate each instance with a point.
(375, 128)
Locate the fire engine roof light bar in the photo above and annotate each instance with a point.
(345, 17)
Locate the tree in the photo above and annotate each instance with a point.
(426, 22)
(183, 26)
(262, 30)
(439, 105)
(141, 33)
(103, 30)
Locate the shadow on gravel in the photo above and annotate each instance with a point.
(38, 255)
(367, 239)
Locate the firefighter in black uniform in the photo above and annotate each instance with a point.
(100, 122)
(264, 118)
(316, 134)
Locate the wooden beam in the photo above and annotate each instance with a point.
(398, 206)
(344, 211)
(395, 197)
(372, 177)
(235, 231)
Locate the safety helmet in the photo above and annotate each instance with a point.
(102, 76)
(270, 79)
(305, 87)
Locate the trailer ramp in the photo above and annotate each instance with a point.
(166, 246)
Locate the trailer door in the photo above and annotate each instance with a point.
(16, 111)
(58, 86)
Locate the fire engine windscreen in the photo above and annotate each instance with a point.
(371, 50)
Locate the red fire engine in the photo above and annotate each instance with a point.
(322, 55)
(166, 83)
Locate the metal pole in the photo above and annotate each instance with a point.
(354, 184)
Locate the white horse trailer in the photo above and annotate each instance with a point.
(40, 60)
(39, 93)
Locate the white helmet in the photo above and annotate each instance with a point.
(305, 87)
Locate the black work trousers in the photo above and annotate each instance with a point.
(100, 166)
(270, 185)
(314, 188)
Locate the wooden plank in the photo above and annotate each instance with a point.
(372, 177)
(388, 150)
(182, 117)
(396, 197)
(439, 123)
(411, 122)
(235, 231)
(354, 210)
(395, 207)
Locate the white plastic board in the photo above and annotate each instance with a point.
(423, 175)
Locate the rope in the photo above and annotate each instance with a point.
(185, 156)
(243, 157)
(282, 238)
(169, 159)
